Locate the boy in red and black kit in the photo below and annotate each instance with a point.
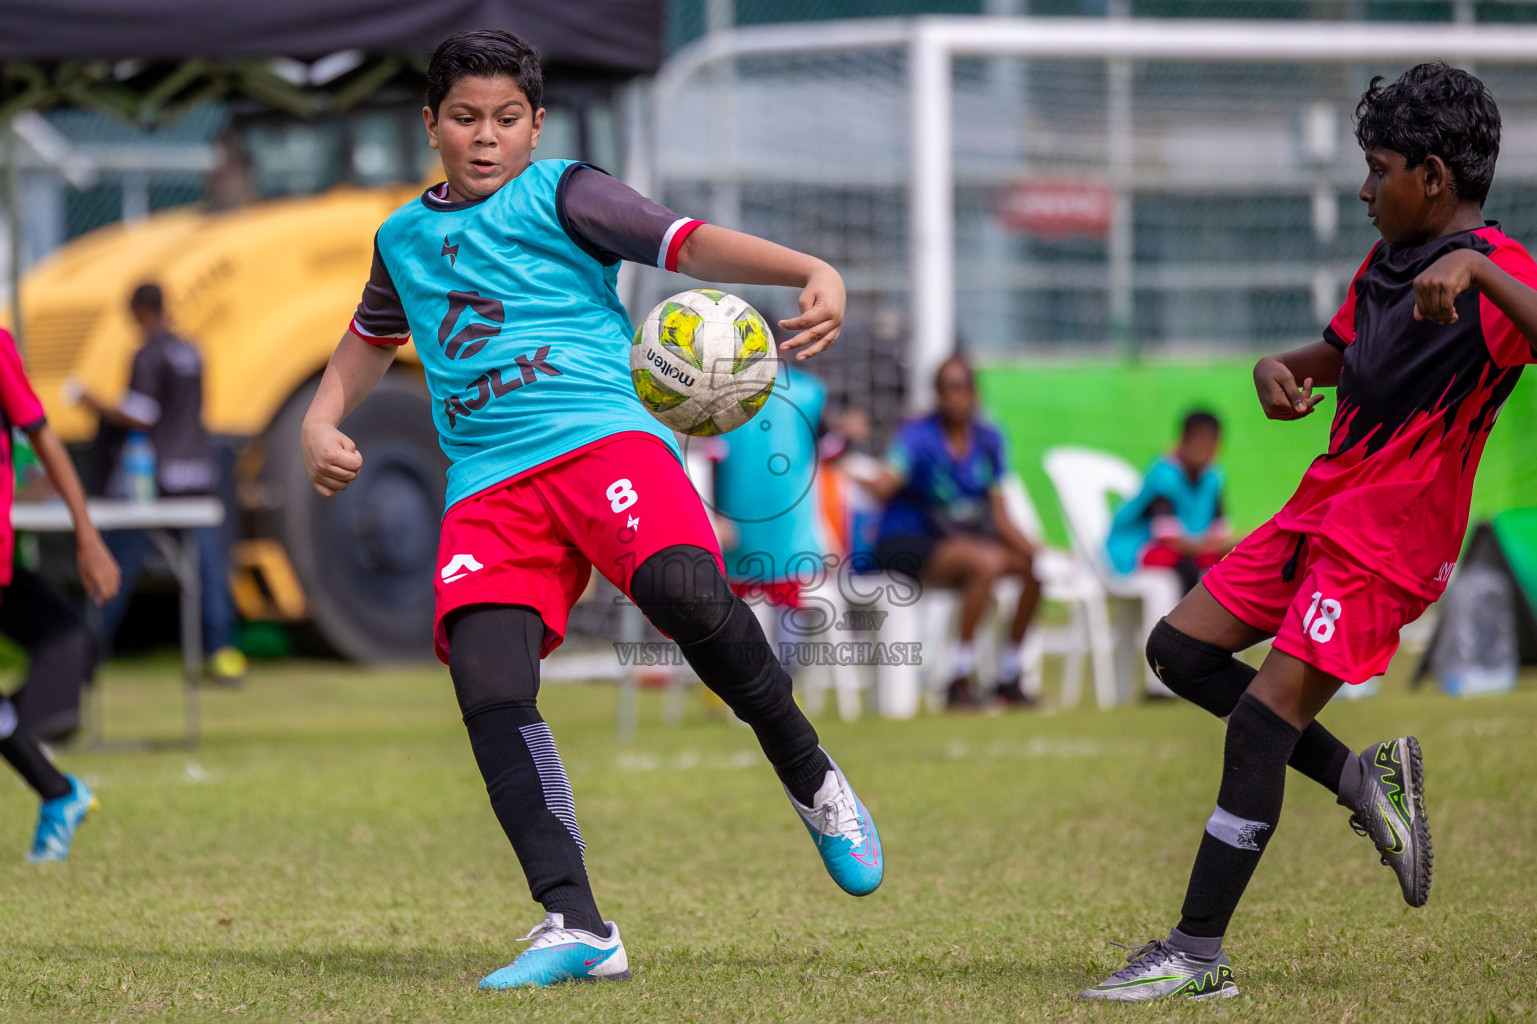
(1426, 349)
(35, 618)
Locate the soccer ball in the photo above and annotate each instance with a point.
(703, 362)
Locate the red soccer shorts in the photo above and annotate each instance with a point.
(1333, 614)
(534, 539)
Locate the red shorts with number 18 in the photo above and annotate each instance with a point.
(533, 540)
(1331, 612)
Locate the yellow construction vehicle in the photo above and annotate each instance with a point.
(265, 291)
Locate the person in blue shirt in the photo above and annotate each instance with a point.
(505, 277)
(1175, 521)
(945, 524)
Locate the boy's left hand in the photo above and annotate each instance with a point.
(1437, 288)
(99, 572)
(821, 318)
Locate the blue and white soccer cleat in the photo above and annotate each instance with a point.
(58, 819)
(560, 954)
(844, 834)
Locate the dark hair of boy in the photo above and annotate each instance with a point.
(147, 297)
(484, 53)
(1200, 419)
(1434, 109)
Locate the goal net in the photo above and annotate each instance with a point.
(1102, 187)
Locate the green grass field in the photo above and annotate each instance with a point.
(329, 855)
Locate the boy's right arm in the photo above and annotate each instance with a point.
(1276, 377)
(356, 367)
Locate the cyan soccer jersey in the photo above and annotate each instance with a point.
(1167, 492)
(512, 302)
(765, 483)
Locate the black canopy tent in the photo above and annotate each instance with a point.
(144, 59)
(149, 60)
(614, 36)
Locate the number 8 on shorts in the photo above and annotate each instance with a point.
(621, 494)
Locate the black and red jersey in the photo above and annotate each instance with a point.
(1416, 402)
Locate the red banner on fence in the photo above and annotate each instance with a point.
(1058, 207)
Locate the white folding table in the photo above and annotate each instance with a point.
(169, 523)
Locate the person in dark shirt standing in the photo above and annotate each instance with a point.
(1428, 345)
(164, 401)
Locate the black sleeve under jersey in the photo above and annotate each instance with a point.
(611, 221)
(380, 318)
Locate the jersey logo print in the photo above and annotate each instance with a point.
(451, 251)
(491, 384)
(472, 337)
(459, 567)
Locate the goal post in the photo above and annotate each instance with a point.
(1073, 150)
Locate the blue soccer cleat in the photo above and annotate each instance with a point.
(562, 954)
(844, 834)
(58, 819)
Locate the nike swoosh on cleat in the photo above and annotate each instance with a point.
(597, 959)
(1398, 842)
(871, 858)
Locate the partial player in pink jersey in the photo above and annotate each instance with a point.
(36, 618)
(1434, 331)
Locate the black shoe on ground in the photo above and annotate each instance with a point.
(1012, 695)
(962, 696)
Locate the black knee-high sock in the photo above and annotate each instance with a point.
(22, 752)
(681, 590)
(494, 661)
(1259, 741)
(1210, 677)
(527, 784)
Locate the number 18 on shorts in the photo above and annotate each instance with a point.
(1333, 613)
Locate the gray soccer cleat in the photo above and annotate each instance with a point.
(1159, 971)
(1392, 813)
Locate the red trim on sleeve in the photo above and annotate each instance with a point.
(671, 263)
(374, 339)
(1505, 342)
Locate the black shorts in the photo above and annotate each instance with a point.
(905, 553)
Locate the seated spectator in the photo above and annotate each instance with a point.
(1175, 521)
(945, 525)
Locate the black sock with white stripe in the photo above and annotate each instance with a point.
(1259, 742)
(532, 799)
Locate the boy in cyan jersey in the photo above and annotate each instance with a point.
(505, 276)
(764, 489)
(1427, 347)
(1175, 520)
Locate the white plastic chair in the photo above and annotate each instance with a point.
(1085, 481)
(1062, 579)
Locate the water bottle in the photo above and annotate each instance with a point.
(139, 467)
